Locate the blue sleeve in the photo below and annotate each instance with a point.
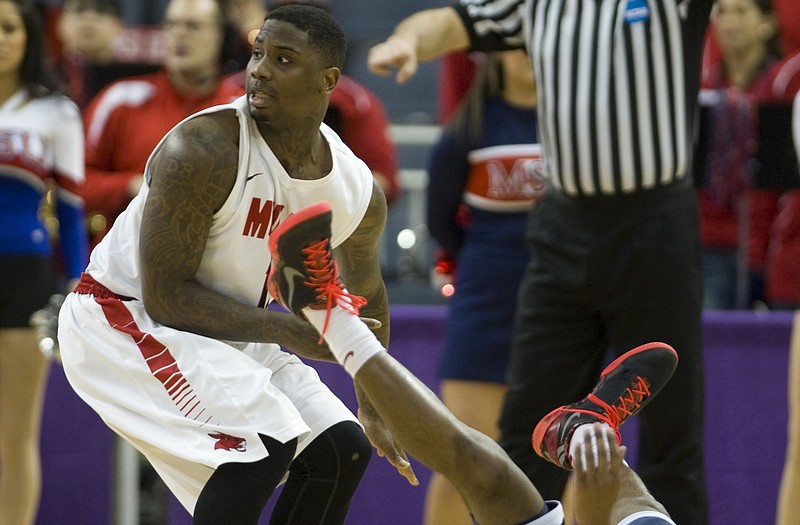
(448, 169)
(72, 236)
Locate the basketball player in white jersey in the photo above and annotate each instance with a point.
(168, 336)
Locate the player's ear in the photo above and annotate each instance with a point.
(329, 79)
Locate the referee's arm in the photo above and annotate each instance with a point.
(421, 37)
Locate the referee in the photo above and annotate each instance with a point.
(615, 247)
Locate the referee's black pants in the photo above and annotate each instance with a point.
(609, 273)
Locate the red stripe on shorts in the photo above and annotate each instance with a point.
(157, 356)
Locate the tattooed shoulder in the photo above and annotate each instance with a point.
(202, 152)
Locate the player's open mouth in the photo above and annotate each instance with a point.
(259, 98)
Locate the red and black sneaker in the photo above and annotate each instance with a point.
(625, 387)
(303, 273)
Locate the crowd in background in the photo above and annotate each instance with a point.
(748, 206)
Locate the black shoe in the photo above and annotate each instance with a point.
(303, 273)
(625, 387)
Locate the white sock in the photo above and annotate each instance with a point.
(350, 340)
(580, 436)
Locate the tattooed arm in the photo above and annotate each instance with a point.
(360, 265)
(192, 175)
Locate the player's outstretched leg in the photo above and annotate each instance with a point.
(495, 489)
(304, 278)
(625, 387)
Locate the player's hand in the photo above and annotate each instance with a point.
(597, 475)
(397, 52)
(384, 444)
(382, 439)
(300, 337)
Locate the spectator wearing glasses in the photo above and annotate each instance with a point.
(128, 118)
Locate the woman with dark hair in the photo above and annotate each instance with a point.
(485, 173)
(739, 198)
(41, 154)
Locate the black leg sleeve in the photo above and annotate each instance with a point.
(237, 492)
(324, 477)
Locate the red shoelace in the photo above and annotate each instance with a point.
(627, 403)
(324, 279)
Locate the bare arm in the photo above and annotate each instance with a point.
(421, 37)
(192, 175)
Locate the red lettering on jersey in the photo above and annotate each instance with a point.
(524, 179)
(507, 179)
(23, 145)
(261, 219)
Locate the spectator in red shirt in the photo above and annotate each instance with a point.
(128, 118)
(358, 116)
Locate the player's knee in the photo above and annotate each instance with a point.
(342, 451)
(355, 449)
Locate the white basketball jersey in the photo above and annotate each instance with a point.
(237, 257)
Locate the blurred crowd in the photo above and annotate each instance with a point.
(745, 165)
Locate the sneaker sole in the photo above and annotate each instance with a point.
(638, 350)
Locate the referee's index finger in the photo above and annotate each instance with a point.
(383, 58)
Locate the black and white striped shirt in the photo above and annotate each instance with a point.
(617, 83)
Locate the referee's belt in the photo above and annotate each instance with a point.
(88, 286)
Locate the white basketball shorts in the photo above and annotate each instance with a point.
(189, 403)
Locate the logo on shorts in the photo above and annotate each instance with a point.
(226, 442)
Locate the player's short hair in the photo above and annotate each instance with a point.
(322, 4)
(324, 32)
